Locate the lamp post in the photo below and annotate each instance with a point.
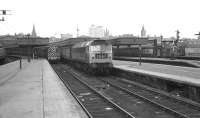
(20, 62)
(140, 54)
(29, 49)
(173, 49)
(161, 43)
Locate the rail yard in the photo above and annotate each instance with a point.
(103, 80)
(99, 59)
(145, 102)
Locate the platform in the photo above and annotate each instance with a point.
(169, 61)
(179, 74)
(35, 91)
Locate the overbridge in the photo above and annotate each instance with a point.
(22, 45)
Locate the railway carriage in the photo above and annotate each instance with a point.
(2, 53)
(92, 56)
(51, 53)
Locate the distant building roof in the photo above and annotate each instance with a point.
(7, 37)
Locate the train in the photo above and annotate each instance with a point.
(93, 56)
(2, 53)
(51, 53)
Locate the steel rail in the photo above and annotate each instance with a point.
(73, 94)
(111, 102)
(150, 101)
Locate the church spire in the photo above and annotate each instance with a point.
(143, 32)
(34, 32)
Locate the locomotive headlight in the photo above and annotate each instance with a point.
(92, 57)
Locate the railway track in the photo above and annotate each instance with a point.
(92, 101)
(178, 106)
(139, 101)
(9, 59)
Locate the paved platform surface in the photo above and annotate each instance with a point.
(163, 60)
(174, 73)
(35, 91)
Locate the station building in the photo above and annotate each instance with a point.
(192, 47)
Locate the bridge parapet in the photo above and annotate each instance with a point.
(22, 46)
(32, 41)
(24, 42)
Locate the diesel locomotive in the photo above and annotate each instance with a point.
(94, 56)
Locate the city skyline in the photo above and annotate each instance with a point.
(119, 17)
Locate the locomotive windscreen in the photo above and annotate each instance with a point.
(101, 46)
(104, 48)
(100, 42)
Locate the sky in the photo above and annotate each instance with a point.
(55, 17)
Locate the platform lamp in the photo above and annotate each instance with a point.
(161, 43)
(173, 50)
(140, 54)
(29, 49)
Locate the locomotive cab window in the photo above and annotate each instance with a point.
(99, 42)
(100, 46)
